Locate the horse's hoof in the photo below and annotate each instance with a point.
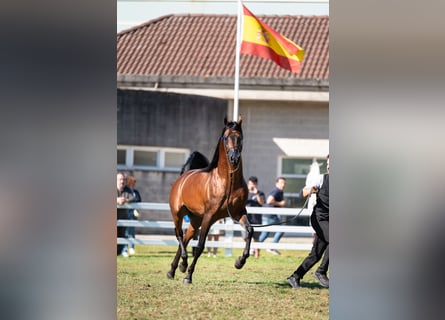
(186, 281)
(170, 275)
(239, 263)
(182, 268)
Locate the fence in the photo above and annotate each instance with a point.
(301, 234)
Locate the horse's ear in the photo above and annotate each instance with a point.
(240, 119)
(225, 120)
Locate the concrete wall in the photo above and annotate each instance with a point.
(148, 118)
(265, 120)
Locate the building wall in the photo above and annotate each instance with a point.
(265, 120)
(149, 118)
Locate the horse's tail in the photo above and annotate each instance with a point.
(196, 160)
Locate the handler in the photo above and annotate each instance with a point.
(320, 223)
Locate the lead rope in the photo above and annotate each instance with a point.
(256, 225)
(228, 197)
(263, 225)
(277, 224)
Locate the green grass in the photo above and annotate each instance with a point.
(219, 290)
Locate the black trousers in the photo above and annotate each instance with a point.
(320, 246)
(121, 214)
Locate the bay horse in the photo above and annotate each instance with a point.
(209, 194)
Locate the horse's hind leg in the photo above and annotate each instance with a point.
(199, 249)
(184, 264)
(195, 223)
(181, 252)
(241, 260)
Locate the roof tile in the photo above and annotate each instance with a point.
(204, 46)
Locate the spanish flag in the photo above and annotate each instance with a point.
(261, 40)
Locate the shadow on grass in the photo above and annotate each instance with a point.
(278, 285)
(308, 285)
(157, 256)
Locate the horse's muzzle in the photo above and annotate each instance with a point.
(234, 156)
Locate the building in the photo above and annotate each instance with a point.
(175, 84)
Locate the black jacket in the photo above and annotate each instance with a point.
(321, 208)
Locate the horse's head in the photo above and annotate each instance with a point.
(233, 140)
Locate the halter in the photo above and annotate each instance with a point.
(225, 139)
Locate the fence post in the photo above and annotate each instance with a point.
(228, 237)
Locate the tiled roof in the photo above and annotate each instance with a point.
(203, 46)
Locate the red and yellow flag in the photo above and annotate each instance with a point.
(261, 40)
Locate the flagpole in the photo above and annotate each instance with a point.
(239, 32)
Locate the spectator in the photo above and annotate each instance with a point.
(320, 223)
(124, 195)
(132, 215)
(274, 199)
(256, 198)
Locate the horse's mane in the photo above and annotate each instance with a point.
(230, 125)
(196, 160)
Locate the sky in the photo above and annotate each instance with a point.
(132, 13)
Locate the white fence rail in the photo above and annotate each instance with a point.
(300, 233)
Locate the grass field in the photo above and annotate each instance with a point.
(219, 290)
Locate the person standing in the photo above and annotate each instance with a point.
(124, 195)
(320, 223)
(256, 198)
(274, 199)
(132, 215)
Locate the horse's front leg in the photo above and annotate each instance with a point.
(241, 260)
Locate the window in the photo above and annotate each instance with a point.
(151, 158)
(145, 158)
(295, 170)
(174, 159)
(121, 156)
